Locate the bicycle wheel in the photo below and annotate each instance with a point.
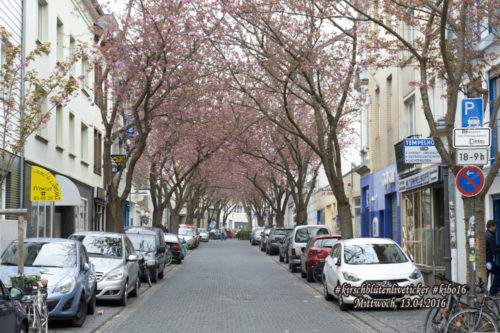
(434, 321)
(471, 320)
(168, 257)
(492, 307)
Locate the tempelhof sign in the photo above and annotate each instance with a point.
(44, 186)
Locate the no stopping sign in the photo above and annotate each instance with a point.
(470, 181)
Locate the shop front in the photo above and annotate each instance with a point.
(422, 220)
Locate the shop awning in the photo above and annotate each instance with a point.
(69, 191)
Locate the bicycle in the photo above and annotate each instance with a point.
(481, 319)
(36, 308)
(437, 318)
(317, 270)
(145, 271)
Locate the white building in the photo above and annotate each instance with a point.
(70, 145)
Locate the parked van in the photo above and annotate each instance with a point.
(300, 236)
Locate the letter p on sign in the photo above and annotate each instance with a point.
(472, 112)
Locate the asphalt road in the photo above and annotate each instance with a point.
(229, 286)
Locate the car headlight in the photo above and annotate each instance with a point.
(66, 286)
(350, 277)
(151, 262)
(416, 274)
(116, 274)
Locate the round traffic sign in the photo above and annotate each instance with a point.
(470, 181)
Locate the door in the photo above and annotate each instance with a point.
(496, 216)
(132, 266)
(394, 218)
(7, 312)
(87, 280)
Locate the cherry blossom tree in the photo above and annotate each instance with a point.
(452, 41)
(297, 66)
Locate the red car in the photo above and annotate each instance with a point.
(230, 233)
(318, 247)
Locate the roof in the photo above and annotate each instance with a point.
(326, 236)
(311, 226)
(100, 233)
(142, 230)
(368, 240)
(49, 240)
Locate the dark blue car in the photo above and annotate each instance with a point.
(65, 264)
(13, 319)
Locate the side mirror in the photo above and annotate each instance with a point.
(132, 257)
(303, 249)
(336, 261)
(86, 267)
(15, 293)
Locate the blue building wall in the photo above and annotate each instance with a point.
(378, 204)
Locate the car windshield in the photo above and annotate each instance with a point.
(101, 246)
(368, 254)
(326, 243)
(202, 230)
(281, 231)
(42, 254)
(142, 242)
(171, 239)
(302, 235)
(186, 232)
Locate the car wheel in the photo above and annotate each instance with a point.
(281, 258)
(179, 261)
(326, 293)
(135, 292)
(81, 313)
(291, 267)
(154, 275)
(160, 274)
(286, 259)
(92, 304)
(23, 328)
(123, 300)
(343, 305)
(310, 277)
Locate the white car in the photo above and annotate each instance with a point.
(204, 235)
(372, 260)
(300, 236)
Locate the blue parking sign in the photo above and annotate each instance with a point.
(472, 112)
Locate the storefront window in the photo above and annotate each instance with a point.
(423, 226)
(82, 216)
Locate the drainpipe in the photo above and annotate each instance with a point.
(21, 155)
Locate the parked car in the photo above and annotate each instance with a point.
(276, 237)
(173, 242)
(230, 233)
(12, 316)
(263, 238)
(300, 236)
(215, 234)
(256, 235)
(317, 248)
(150, 243)
(283, 254)
(115, 262)
(72, 283)
(371, 260)
(188, 235)
(196, 233)
(204, 235)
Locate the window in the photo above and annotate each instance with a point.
(59, 124)
(84, 142)
(388, 85)
(60, 41)
(410, 116)
(82, 221)
(42, 21)
(72, 133)
(42, 129)
(97, 152)
(238, 209)
(72, 53)
(84, 72)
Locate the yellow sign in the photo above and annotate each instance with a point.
(44, 186)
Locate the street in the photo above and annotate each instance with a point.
(230, 286)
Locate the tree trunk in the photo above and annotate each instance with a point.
(115, 215)
(260, 220)
(301, 214)
(345, 219)
(280, 219)
(158, 218)
(173, 226)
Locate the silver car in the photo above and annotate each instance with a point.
(188, 235)
(115, 262)
(255, 237)
(204, 235)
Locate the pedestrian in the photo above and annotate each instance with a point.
(491, 251)
(165, 228)
(223, 234)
